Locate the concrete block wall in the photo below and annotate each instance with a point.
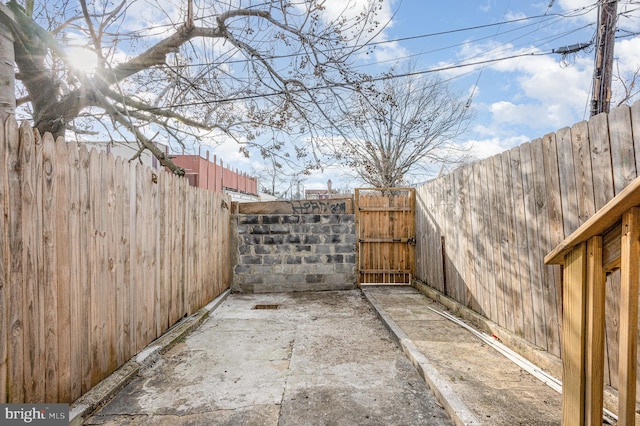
(291, 252)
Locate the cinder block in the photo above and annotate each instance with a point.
(270, 219)
(345, 248)
(323, 268)
(298, 286)
(261, 270)
(349, 238)
(334, 238)
(310, 218)
(272, 260)
(314, 278)
(291, 219)
(293, 239)
(293, 279)
(279, 229)
(334, 218)
(273, 239)
(247, 288)
(323, 249)
(252, 239)
(262, 249)
(340, 229)
(347, 218)
(282, 249)
(241, 269)
(252, 279)
(311, 239)
(320, 229)
(251, 260)
(260, 229)
(248, 219)
(313, 259)
(345, 268)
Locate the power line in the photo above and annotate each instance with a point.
(545, 17)
(349, 84)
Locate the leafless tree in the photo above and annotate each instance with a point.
(181, 71)
(411, 121)
(628, 85)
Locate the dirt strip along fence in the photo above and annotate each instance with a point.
(483, 230)
(99, 257)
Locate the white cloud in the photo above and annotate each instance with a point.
(586, 10)
(484, 148)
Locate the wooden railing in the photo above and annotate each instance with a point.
(608, 241)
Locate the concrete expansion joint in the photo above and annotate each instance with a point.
(441, 387)
(286, 378)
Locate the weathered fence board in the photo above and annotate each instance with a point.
(500, 216)
(494, 174)
(98, 258)
(552, 286)
(583, 172)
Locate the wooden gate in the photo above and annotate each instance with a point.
(385, 229)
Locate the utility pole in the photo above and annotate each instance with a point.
(605, 39)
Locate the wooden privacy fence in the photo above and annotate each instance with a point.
(483, 230)
(98, 258)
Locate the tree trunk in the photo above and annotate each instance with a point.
(7, 74)
(7, 107)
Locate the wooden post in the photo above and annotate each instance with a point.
(573, 362)
(630, 257)
(594, 333)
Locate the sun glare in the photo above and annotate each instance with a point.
(82, 59)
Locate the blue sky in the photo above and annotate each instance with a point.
(515, 100)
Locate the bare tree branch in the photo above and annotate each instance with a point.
(241, 68)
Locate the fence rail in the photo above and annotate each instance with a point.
(483, 231)
(98, 258)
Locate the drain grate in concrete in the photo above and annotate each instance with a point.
(265, 307)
